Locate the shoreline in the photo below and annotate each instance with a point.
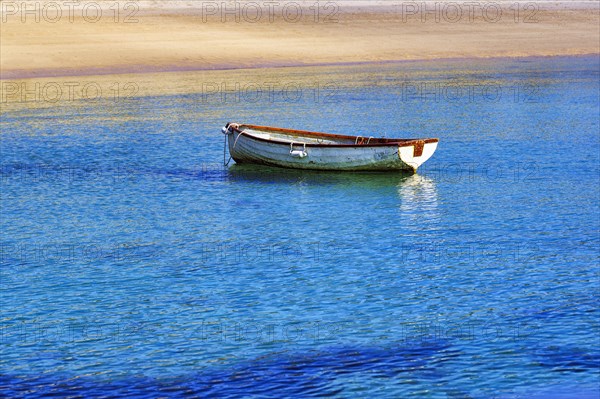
(61, 74)
(276, 84)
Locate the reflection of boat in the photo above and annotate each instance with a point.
(300, 149)
(419, 197)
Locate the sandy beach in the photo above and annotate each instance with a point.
(45, 39)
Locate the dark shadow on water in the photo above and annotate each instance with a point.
(566, 358)
(267, 174)
(73, 173)
(314, 373)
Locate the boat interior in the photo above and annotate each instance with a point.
(300, 136)
(288, 138)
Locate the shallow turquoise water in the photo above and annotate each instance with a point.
(133, 263)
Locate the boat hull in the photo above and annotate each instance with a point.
(344, 156)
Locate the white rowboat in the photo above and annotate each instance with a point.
(301, 149)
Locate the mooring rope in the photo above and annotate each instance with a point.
(237, 138)
(225, 163)
(226, 132)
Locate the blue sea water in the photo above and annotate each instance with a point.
(133, 263)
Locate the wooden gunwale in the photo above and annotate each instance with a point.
(375, 142)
